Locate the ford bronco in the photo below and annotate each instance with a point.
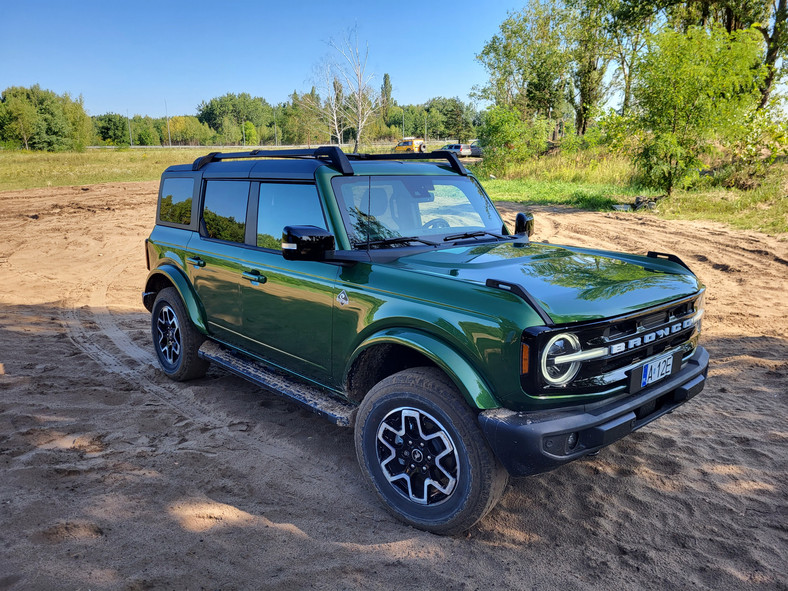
(386, 293)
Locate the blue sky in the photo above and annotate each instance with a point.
(131, 56)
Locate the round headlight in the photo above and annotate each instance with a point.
(557, 372)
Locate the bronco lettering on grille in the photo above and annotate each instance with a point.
(651, 337)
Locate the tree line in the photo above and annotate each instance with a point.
(37, 119)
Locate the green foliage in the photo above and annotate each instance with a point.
(236, 108)
(17, 119)
(81, 125)
(688, 89)
(300, 122)
(458, 120)
(527, 61)
(591, 51)
(228, 133)
(145, 131)
(385, 98)
(113, 129)
(188, 131)
(223, 227)
(769, 19)
(250, 133)
(178, 213)
(754, 143)
(762, 208)
(39, 119)
(508, 140)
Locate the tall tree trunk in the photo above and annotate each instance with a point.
(775, 41)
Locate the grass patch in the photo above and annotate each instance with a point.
(764, 209)
(594, 196)
(596, 181)
(20, 169)
(27, 170)
(591, 180)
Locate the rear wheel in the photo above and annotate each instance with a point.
(175, 338)
(420, 446)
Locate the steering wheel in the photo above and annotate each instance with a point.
(436, 223)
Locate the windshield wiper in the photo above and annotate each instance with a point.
(397, 240)
(474, 234)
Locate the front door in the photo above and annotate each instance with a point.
(287, 305)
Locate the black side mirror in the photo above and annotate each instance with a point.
(306, 243)
(524, 224)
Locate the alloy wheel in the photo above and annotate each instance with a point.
(417, 455)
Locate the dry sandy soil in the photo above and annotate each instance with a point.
(113, 477)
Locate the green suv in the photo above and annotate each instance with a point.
(385, 293)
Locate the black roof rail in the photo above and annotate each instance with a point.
(331, 154)
(454, 162)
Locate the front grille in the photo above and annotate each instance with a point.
(628, 341)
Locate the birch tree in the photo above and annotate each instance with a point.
(361, 101)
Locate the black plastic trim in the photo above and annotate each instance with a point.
(521, 293)
(331, 154)
(671, 257)
(533, 442)
(451, 157)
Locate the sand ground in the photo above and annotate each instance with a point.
(113, 477)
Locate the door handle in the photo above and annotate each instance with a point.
(254, 276)
(196, 261)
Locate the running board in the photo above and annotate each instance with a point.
(338, 412)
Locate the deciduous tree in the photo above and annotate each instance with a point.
(361, 99)
(528, 60)
(688, 87)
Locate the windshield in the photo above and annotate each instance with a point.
(382, 208)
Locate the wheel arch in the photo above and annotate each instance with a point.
(170, 276)
(390, 351)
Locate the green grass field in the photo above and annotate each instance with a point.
(593, 181)
(597, 181)
(27, 170)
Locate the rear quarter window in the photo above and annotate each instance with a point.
(175, 205)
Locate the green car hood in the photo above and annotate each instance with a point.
(570, 284)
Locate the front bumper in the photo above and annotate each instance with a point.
(533, 442)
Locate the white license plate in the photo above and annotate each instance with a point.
(656, 370)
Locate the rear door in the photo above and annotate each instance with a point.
(218, 257)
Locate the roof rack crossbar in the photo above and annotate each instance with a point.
(451, 157)
(331, 154)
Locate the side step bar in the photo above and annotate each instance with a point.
(338, 412)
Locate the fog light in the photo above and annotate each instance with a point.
(571, 441)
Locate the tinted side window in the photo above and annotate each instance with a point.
(224, 210)
(286, 205)
(176, 201)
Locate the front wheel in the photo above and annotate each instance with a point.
(175, 338)
(421, 449)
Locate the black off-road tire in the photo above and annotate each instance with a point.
(175, 338)
(414, 427)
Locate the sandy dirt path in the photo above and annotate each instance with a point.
(113, 477)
